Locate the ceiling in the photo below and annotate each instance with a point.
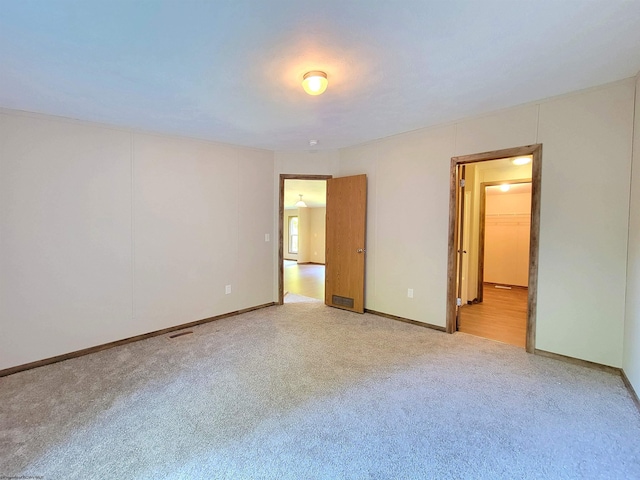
(230, 70)
(514, 188)
(502, 163)
(314, 193)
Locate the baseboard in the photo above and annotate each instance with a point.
(493, 285)
(630, 388)
(577, 361)
(595, 366)
(310, 263)
(117, 343)
(406, 320)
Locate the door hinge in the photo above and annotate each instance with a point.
(458, 302)
(462, 182)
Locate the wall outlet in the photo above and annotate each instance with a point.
(266, 237)
(227, 289)
(410, 293)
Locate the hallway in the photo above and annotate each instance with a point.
(502, 316)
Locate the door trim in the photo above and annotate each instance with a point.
(283, 177)
(536, 177)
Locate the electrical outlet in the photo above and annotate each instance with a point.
(410, 293)
(227, 289)
(266, 237)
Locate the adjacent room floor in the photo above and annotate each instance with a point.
(306, 279)
(502, 316)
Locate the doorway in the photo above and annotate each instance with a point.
(497, 308)
(471, 282)
(302, 236)
(346, 209)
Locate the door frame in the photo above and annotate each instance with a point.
(482, 227)
(535, 151)
(283, 177)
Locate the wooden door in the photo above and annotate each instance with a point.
(345, 242)
(461, 240)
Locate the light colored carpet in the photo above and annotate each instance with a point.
(305, 391)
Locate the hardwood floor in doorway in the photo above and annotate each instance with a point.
(502, 316)
(305, 280)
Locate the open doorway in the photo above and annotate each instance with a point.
(302, 237)
(497, 245)
(345, 239)
(493, 244)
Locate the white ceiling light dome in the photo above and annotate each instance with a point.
(521, 160)
(315, 82)
(300, 203)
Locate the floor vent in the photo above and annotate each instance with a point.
(342, 301)
(180, 334)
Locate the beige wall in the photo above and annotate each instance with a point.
(584, 222)
(109, 233)
(508, 203)
(407, 220)
(317, 234)
(631, 362)
(507, 229)
(491, 171)
(311, 229)
(584, 214)
(304, 244)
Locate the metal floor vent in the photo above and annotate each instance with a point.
(342, 301)
(180, 334)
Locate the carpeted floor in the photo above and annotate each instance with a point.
(304, 391)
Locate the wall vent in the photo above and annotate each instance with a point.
(342, 301)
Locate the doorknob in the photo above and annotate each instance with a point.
(361, 250)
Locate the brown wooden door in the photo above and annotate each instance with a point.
(461, 240)
(345, 242)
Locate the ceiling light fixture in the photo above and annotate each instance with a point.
(315, 82)
(300, 203)
(505, 187)
(521, 160)
(313, 143)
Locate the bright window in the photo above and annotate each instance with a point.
(293, 234)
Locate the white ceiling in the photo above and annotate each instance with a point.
(515, 188)
(314, 193)
(504, 163)
(230, 70)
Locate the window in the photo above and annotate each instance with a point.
(293, 234)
